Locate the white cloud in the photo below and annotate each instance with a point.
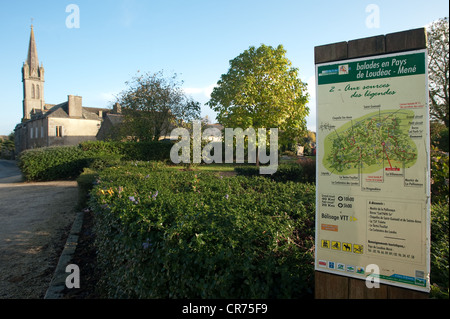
(204, 92)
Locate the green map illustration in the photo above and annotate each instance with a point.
(370, 143)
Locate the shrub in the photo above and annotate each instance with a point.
(309, 168)
(102, 147)
(247, 170)
(140, 151)
(147, 151)
(162, 234)
(439, 250)
(439, 176)
(67, 162)
(288, 172)
(85, 182)
(90, 177)
(99, 162)
(53, 163)
(285, 172)
(7, 148)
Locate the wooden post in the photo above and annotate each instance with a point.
(331, 286)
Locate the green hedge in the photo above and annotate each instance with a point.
(439, 250)
(171, 234)
(53, 163)
(439, 176)
(285, 172)
(67, 162)
(139, 151)
(85, 182)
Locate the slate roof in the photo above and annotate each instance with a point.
(61, 111)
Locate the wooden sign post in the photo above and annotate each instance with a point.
(373, 187)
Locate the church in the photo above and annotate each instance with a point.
(66, 123)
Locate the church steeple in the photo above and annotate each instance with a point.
(33, 81)
(32, 57)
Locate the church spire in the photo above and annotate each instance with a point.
(32, 58)
(33, 81)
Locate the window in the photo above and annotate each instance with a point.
(42, 131)
(32, 91)
(38, 95)
(31, 132)
(59, 131)
(37, 132)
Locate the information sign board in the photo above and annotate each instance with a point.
(373, 180)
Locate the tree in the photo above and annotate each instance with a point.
(438, 69)
(7, 146)
(261, 90)
(153, 105)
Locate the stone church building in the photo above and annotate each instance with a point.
(66, 123)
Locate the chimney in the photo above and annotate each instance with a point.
(74, 106)
(117, 109)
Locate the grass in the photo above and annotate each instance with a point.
(213, 167)
(229, 167)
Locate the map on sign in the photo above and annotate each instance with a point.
(377, 141)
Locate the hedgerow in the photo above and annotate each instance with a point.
(139, 151)
(53, 163)
(439, 254)
(67, 162)
(285, 172)
(171, 234)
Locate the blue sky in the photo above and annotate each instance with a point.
(195, 39)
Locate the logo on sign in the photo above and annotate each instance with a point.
(343, 69)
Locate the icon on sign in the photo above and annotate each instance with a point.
(325, 243)
(358, 249)
(347, 247)
(336, 245)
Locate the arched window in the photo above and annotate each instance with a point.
(38, 93)
(32, 91)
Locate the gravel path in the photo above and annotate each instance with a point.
(35, 219)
